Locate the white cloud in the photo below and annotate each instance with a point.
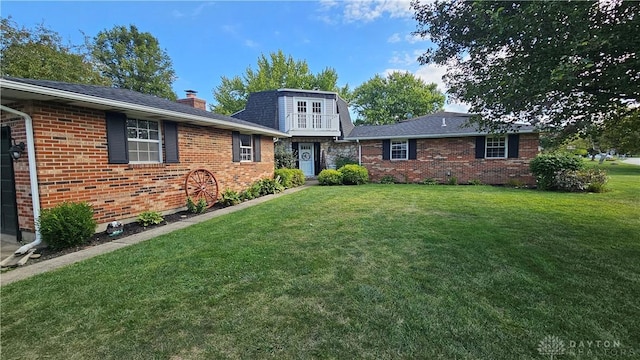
(404, 58)
(250, 43)
(394, 38)
(193, 13)
(369, 10)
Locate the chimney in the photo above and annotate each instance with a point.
(193, 101)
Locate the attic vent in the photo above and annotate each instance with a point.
(444, 122)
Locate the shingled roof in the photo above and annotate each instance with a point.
(262, 107)
(440, 124)
(116, 99)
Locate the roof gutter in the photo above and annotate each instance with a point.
(33, 177)
(431, 136)
(129, 106)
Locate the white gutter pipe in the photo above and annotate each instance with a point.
(33, 177)
(359, 152)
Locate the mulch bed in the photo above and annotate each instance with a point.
(47, 253)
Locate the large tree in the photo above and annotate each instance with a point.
(39, 53)
(134, 60)
(386, 100)
(274, 72)
(568, 66)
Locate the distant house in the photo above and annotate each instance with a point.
(440, 147)
(316, 121)
(122, 151)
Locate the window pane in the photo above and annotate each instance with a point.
(154, 156)
(153, 146)
(153, 135)
(143, 146)
(133, 146)
(143, 134)
(153, 125)
(132, 133)
(132, 123)
(133, 155)
(143, 124)
(245, 140)
(143, 156)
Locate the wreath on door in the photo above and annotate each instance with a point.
(306, 156)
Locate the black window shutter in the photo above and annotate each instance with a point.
(235, 144)
(480, 142)
(117, 144)
(171, 142)
(316, 157)
(514, 144)
(386, 149)
(413, 151)
(256, 148)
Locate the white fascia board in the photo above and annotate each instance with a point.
(134, 107)
(308, 91)
(434, 136)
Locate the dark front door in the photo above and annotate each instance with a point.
(9, 214)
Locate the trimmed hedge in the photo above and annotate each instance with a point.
(330, 177)
(290, 177)
(354, 174)
(67, 224)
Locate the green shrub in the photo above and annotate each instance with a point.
(290, 177)
(268, 186)
(67, 224)
(545, 167)
(453, 181)
(284, 158)
(230, 198)
(251, 192)
(475, 182)
(354, 174)
(430, 181)
(147, 218)
(345, 160)
(330, 177)
(591, 180)
(196, 208)
(388, 179)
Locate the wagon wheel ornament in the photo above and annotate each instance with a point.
(201, 184)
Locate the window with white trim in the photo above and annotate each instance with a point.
(143, 138)
(399, 149)
(495, 147)
(246, 147)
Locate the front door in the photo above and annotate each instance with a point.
(9, 213)
(305, 157)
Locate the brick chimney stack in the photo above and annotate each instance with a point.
(193, 101)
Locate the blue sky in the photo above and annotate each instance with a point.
(207, 40)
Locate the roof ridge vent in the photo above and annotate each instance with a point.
(444, 122)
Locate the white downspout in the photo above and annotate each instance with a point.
(33, 177)
(359, 152)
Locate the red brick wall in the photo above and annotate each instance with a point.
(72, 160)
(444, 158)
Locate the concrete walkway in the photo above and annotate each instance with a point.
(26, 271)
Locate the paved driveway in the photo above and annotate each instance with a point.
(634, 161)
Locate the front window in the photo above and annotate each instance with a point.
(302, 114)
(144, 141)
(399, 149)
(496, 147)
(317, 114)
(246, 148)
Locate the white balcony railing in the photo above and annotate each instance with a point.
(306, 122)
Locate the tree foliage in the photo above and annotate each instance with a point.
(276, 71)
(564, 65)
(39, 53)
(134, 60)
(394, 98)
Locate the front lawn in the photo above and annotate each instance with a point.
(374, 271)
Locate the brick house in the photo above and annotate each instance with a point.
(316, 120)
(122, 151)
(440, 146)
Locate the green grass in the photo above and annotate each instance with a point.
(374, 271)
